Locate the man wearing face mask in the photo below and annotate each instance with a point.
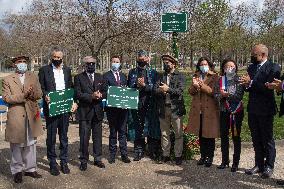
(117, 117)
(141, 78)
(89, 92)
(54, 77)
(171, 107)
(261, 109)
(21, 91)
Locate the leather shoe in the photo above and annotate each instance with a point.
(166, 159)
(83, 166)
(33, 174)
(223, 166)
(99, 164)
(18, 177)
(267, 173)
(208, 162)
(138, 156)
(280, 182)
(201, 161)
(253, 170)
(125, 159)
(111, 160)
(178, 160)
(65, 169)
(234, 168)
(54, 171)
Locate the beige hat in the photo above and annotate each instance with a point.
(169, 58)
(89, 59)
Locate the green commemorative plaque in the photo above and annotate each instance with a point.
(122, 97)
(60, 101)
(174, 22)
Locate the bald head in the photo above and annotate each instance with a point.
(260, 52)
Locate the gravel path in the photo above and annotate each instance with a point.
(143, 174)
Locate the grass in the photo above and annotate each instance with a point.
(278, 121)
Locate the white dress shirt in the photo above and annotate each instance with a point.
(59, 78)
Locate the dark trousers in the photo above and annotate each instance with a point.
(60, 122)
(261, 128)
(139, 117)
(117, 119)
(207, 145)
(224, 130)
(86, 127)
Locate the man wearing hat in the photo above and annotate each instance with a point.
(89, 92)
(54, 77)
(171, 107)
(143, 79)
(21, 91)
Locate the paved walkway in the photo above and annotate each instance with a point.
(143, 174)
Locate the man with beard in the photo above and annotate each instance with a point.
(54, 77)
(89, 93)
(261, 109)
(171, 107)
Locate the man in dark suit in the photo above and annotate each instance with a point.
(53, 77)
(89, 92)
(261, 109)
(171, 107)
(117, 117)
(143, 79)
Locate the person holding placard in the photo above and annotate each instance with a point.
(56, 77)
(117, 117)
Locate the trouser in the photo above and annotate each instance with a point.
(236, 136)
(87, 127)
(261, 128)
(23, 158)
(177, 125)
(117, 119)
(139, 118)
(207, 145)
(60, 122)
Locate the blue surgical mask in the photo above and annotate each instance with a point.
(22, 67)
(115, 66)
(204, 69)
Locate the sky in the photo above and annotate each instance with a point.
(16, 6)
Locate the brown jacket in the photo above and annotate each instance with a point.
(203, 102)
(19, 107)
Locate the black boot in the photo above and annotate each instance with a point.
(223, 165)
(201, 161)
(208, 162)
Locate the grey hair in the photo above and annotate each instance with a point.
(55, 49)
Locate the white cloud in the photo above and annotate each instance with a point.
(13, 6)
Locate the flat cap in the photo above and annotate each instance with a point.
(20, 57)
(169, 58)
(142, 53)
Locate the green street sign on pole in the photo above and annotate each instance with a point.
(174, 22)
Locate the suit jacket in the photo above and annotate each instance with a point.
(88, 107)
(47, 82)
(176, 87)
(19, 107)
(261, 99)
(281, 111)
(109, 80)
(150, 78)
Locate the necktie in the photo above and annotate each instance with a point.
(91, 78)
(117, 79)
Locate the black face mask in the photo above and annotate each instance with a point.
(90, 68)
(254, 60)
(167, 68)
(142, 64)
(56, 63)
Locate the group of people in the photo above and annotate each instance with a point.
(216, 109)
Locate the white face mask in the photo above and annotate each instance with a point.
(204, 69)
(230, 72)
(22, 67)
(115, 66)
